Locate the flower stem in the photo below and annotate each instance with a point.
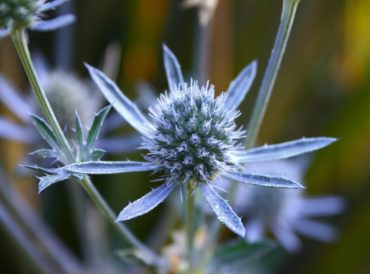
(268, 82)
(190, 225)
(99, 201)
(20, 41)
(201, 60)
(285, 27)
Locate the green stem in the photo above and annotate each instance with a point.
(121, 228)
(20, 41)
(264, 94)
(201, 60)
(285, 27)
(190, 225)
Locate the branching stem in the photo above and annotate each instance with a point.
(20, 42)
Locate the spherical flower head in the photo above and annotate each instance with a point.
(68, 94)
(18, 13)
(194, 136)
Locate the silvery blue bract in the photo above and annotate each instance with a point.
(285, 212)
(191, 137)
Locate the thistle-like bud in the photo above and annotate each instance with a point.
(68, 94)
(194, 134)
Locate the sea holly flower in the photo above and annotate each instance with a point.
(193, 142)
(23, 14)
(285, 212)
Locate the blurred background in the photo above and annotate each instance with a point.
(323, 89)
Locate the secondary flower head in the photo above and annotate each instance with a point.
(285, 212)
(22, 14)
(192, 138)
(68, 94)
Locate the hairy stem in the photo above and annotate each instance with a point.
(268, 82)
(20, 41)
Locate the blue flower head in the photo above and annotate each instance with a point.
(285, 212)
(192, 139)
(22, 14)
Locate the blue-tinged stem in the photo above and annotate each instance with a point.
(285, 27)
(268, 82)
(190, 225)
(201, 60)
(20, 41)
(121, 228)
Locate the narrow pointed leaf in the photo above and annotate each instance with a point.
(223, 210)
(53, 24)
(263, 180)
(128, 110)
(96, 126)
(240, 86)
(316, 230)
(79, 131)
(51, 171)
(97, 154)
(45, 131)
(12, 98)
(173, 68)
(284, 150)
(10, 130)
(146, 203)
(45, 153)
(105, 167)
(48, 180)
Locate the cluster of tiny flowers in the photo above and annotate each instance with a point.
(66, 94)
(194, 136)
(16, 14)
